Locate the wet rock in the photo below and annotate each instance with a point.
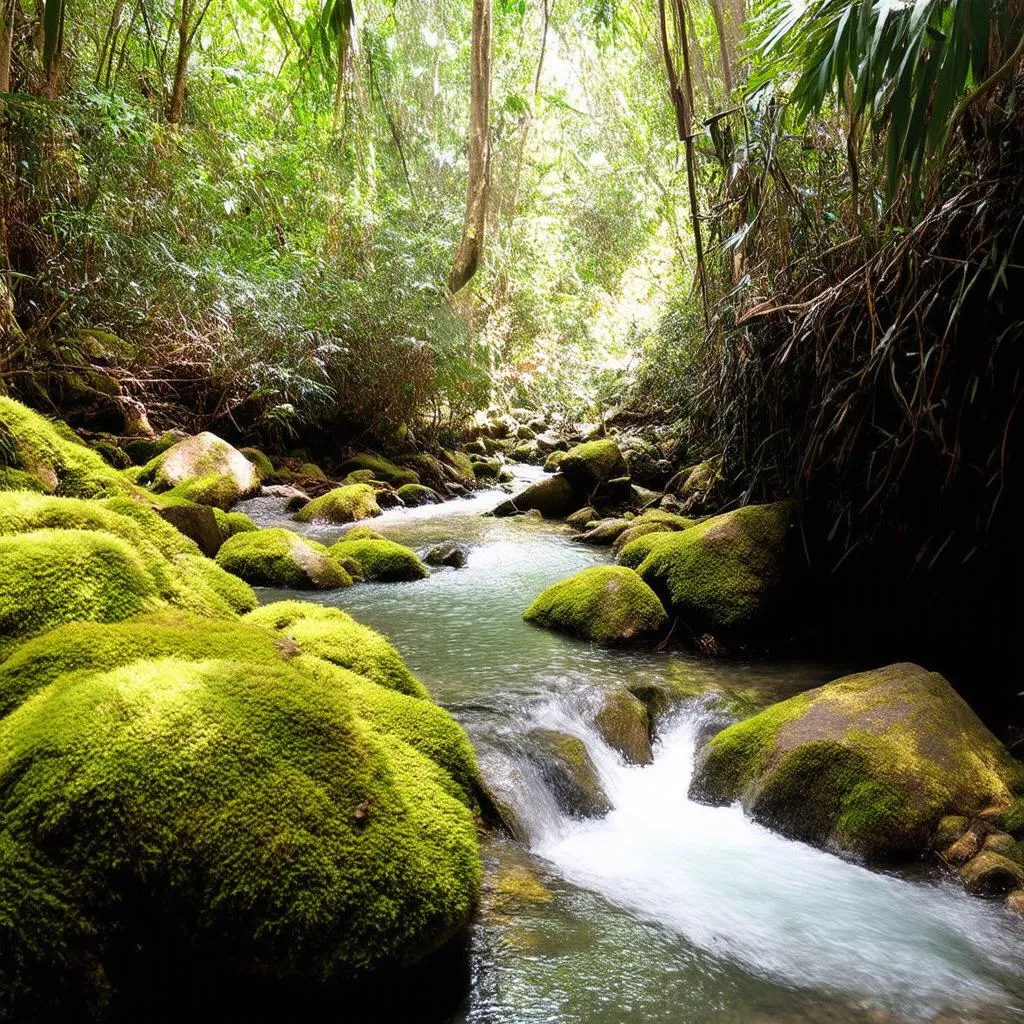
(450, 553)
(552, 462)
(868, 764)
(382, 469)
(415, 495)
(554, 498)
(950, 828)
(963, 849)
(606, 604)
(604, 533)
(549, 441)
(624, 724)
(989, 874)
(1005, 845)
(1015, 902)
(568, 770)
(581, 519)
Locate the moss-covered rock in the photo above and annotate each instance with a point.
(554, 498)
(624, 724)
(604, 532)
(569, 771)
(229, 587)
(458, 468)
(607, 604)
(382, 468)
(363, 533)
(48, 457)
(583, 518)
(281, 558)
(724, 575)
(989, 874)
(634, 532)
(553, 461)
(591, 464)
(869, 764)
(450, 553)
(230, 523)
(244, 814)
(197, 522)
(415, 495)
(382, 560)
(341, 505)
(331, 634)
(486, 469)
(264, 467)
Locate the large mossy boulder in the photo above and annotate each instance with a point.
(593, 463)
(63, 559)
(39, 455)
(281, 558)
(606, 603)
(553, 498)
(727, 575)
(382, 469)
(204, 469)
(381, 559)
(179, 795)
(624, 723)
(415, 495)
(341, 505)
(869, 764)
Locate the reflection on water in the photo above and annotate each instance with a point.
(664, 910)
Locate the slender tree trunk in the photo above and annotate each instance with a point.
(176, 105)
(6, 43)
(725, 44)
(339, 84)
(471, 247)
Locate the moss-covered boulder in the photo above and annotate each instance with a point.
(554, 498)
(625, 725)
(382, 469)
(450, 553)
(341, 505)
(604, 532)
(568, 770)
(593, 463)
(634, 532)
(204, 469)
(264, 467)
(40, 455)
(281, 558)
(261, 820)
(382, 560)
(458, 468)
(333, 635)
(414, 495)
(197, 522)
(583, 518)
(869, 764)
(486, 470)
(230, 523)
(553, 461)
(724, 576)
(63, 559)
(607, 604)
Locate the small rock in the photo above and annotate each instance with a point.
(197, 522)
(963, 849)
(624, 725)
(568, 769)
(1015, 901)
(1005, 845)
(989, 874)
(450, 553)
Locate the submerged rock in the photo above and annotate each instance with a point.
(341, 505)
(281, 558)
(450, 553)
(569, 771)
(869, 764)
(554, 498)
(606, 603)
(381, 559)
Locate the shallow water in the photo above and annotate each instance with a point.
(663, 910)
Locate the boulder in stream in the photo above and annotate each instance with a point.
(450, 553)
(593, 463)
(554, 498)
(281, 558)
(869, 765)
(605, 603)
(381, 559)
(569, 771)
(381, 468)
(341, 505)
(625, 725)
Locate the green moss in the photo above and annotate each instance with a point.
(462, 466)
(160, 533)
(418, 722)
(382, 560)
(580, 520)
(1013, 822)
(416, 494)
(264, 467)
(55, 458)
(97, 646)
(359, 476)
(588, 465)
(363, 533)
(49, 577)
(264, 824)
(382, 469)
(634, 532)
(604, 532)
(552, 462)
(311, 471)
(870, 763)
(624, 723)
(607, 604)
(112, 454)
(330, 634)
(722, 574)
(633, 554)
(218, 490)
(230, 523)
(19, 480)
(342, 505)
(230, 588)
(144, 449)
(670, 519)
(280, 558)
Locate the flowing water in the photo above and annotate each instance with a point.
(662, 910)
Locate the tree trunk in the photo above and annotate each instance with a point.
(471, 247)
(177, 103)
(6, 43)
(339, 84)
(725, 44)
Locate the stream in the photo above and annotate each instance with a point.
(663, 910)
